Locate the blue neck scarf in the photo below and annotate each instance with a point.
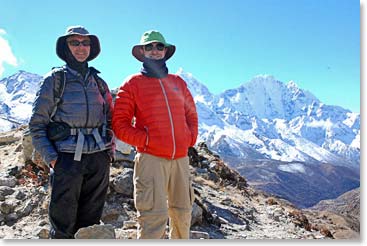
(154, 68)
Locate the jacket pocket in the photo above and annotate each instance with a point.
(144, 194)
(188, 135)
(147, 138)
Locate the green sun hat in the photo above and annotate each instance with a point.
(152, 36)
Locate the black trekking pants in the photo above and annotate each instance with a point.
(79, 191)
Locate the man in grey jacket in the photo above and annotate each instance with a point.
(69, 126)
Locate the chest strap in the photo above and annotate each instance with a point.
(81, 132)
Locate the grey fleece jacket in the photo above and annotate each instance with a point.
(82, 106)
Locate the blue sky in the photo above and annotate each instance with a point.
(223, 43)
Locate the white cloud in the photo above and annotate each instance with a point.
(6, 54)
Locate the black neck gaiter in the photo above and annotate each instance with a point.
(80, 67)
(154, 68)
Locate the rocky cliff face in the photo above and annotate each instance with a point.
(226, 206)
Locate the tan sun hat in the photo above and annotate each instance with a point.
(95, 47)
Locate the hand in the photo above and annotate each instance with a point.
(52, 163)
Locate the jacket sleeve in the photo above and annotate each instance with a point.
(123, 114)
(191, 115)
(109, 109)
(41, 111)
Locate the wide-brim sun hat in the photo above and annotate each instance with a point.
(95, 47)
(149, 37)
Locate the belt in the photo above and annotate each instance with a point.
(81, 132)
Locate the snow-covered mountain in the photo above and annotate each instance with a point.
(275, 121)
(17, 94)
(280, 137)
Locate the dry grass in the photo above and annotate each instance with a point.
(205, 182)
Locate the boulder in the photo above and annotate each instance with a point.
(96, 232)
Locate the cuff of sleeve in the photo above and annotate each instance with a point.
(50, 158)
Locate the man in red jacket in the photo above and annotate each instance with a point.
(165, 125)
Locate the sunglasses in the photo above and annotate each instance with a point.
(77, 43)
(150, 47)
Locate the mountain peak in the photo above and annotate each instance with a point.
(198, 90)
(291, 84)
(264, 82)
(180, 71)
(264, 77)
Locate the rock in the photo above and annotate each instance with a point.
(20, 195)
(271, 201)
(43, 233)
(12, 217)
(9, 138)
(122, 147)
(123, 183)
(19, 148)
(43, 222)
(196, 214)
(96, 232)
(10, 182)
(194, 157)
(126, 234)
(201, 170)
(29, 153)
(223, 220)
(278, 213)
(27, 146)
(227, 201)
(213, 176)
(199, 235)
(299, 219)
(113, 214)
(129, 225)
(7, 207)
(13, 170)
(5, 191)
(26, 209)
(120, 157)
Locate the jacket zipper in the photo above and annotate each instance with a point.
(86, 99)
(85, 86)
(170, 118)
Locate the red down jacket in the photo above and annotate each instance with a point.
(166, 121)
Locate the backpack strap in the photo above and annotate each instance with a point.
(100, 84)
(59, 79)
(102, 89)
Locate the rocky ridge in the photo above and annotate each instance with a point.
(225, 207)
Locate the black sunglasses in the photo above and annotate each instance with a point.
(77, 43)
(149, 47)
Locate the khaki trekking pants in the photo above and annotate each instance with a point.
(162, 190)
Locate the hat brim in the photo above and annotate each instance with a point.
(95, 47)
(138, 55)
